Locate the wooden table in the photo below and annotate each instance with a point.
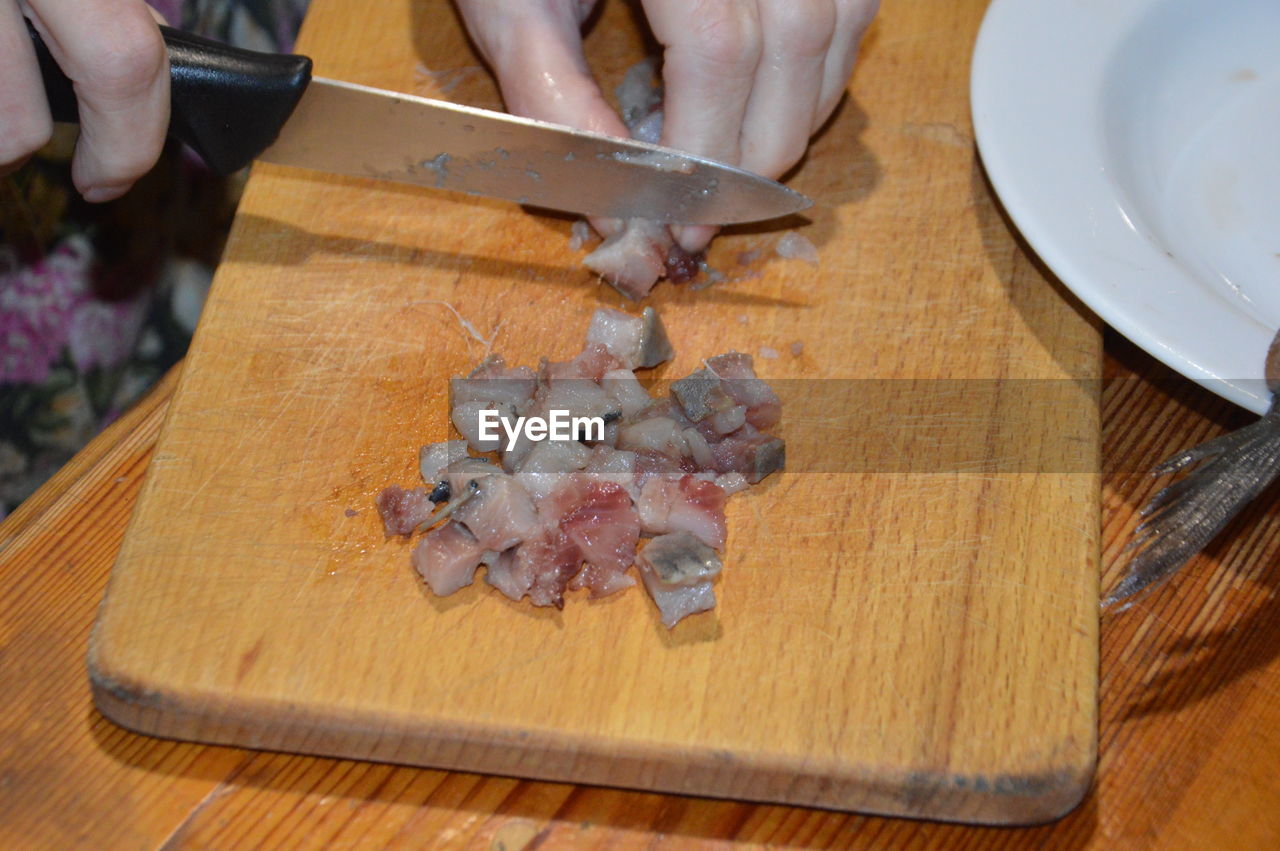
(1190, 728)
(1187, 716)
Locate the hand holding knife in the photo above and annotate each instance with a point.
(232, 106)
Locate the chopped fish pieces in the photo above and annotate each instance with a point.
(641, 252)
(634, 258)
(447, 558)
(677, 570)
(638, 341)
(403, 510)
(681, 559)
(500, 514)
(645, 492)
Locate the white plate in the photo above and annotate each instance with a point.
(1136, 145)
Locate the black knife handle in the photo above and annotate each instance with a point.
(228, 104)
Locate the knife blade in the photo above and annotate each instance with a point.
(232, 106)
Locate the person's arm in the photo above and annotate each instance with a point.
(747, 82)
(112, 52)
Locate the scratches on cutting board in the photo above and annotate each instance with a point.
(466, 324)
(486, 677)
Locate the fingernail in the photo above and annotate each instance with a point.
(693, 238)
(606, 227)
(109, 192)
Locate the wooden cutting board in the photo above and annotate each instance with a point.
(910, 628)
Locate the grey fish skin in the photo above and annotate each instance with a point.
(1184, 517)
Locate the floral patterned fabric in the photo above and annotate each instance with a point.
(98, 301)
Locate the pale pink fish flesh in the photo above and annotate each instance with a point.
(447, 558)
(569, 515)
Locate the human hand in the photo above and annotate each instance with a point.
(113, 53)
(747, 82)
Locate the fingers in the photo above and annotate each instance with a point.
(25, 125)
(713, 49)
(747, 81)
(781, 110)
(709, 67)
(852, 19)
(535, 50)
(784, 99)
(112, 52)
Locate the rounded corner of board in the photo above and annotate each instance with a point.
(1027, 800)
(128, 698)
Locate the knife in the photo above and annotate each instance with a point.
(232, 106)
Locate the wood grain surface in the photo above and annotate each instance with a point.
(913, 638)
(1188, 711)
